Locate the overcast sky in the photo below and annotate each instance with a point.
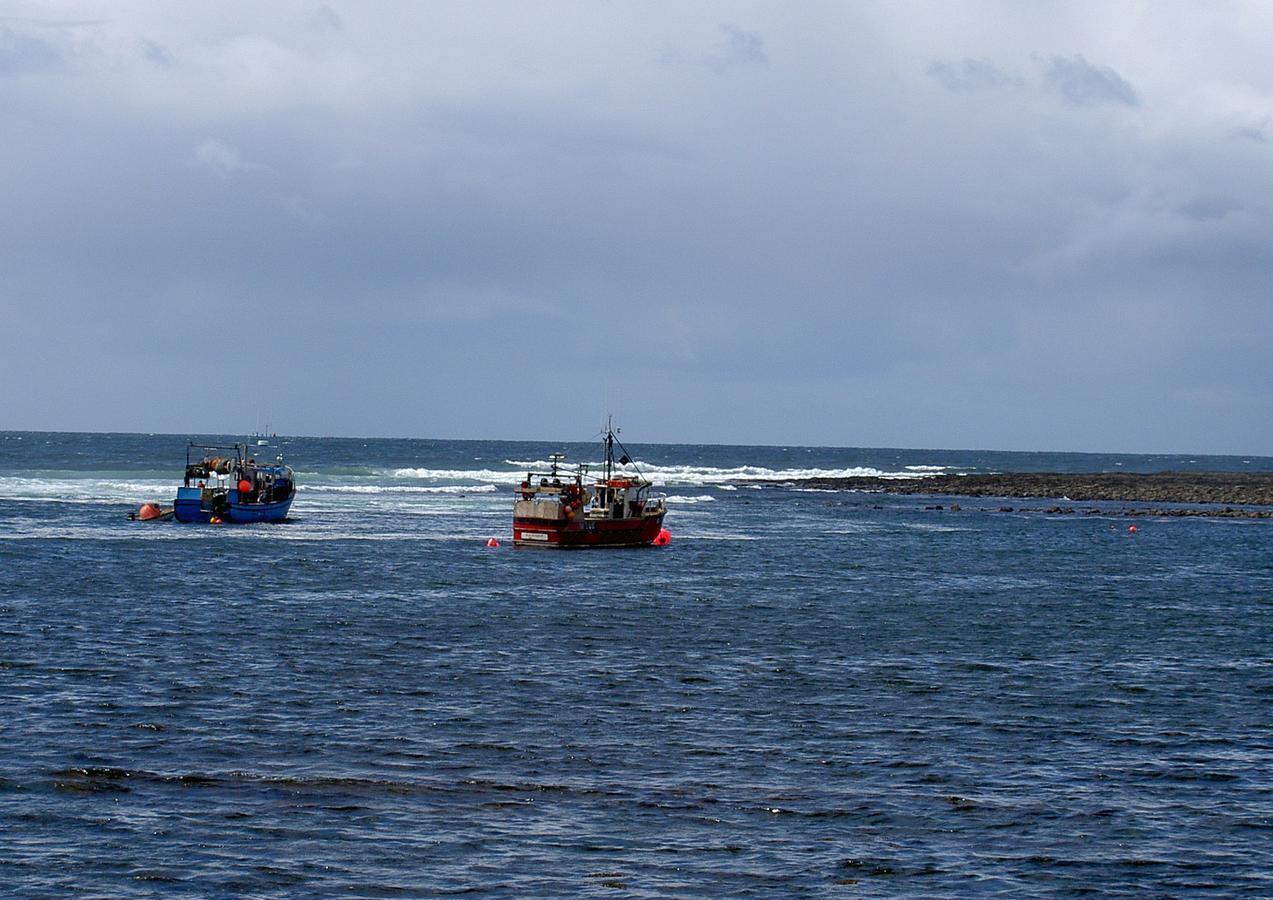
(970, 225)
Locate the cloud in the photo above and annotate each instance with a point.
(158, 54)
(1084, 84)
(1209, 208)
(822, 224)
(223, 159)
(971, 75)
(1074, 78)
(329, 18)
(1258, 135)
(737, 48)
(21, 52)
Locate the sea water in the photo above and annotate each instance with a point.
(806, 694)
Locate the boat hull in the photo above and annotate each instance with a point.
(564, 534)
(192, 506)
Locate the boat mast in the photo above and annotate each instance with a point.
(609, 442)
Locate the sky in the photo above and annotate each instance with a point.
(995, 225)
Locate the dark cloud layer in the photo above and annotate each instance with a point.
(842, 225)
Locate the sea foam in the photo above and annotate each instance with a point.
(686, 475)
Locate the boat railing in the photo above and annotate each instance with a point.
(540, 480)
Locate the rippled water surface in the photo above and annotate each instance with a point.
(805, 694)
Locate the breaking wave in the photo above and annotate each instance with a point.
(397, 489)
(81, 490)
(115, 487)
(490, 476)
(725, 478)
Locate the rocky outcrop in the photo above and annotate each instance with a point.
(1210, 488)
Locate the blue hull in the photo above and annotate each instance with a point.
(191, 507)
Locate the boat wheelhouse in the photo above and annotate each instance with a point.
(226, 484)
(562, 508)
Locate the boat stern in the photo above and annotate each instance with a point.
(188, 507)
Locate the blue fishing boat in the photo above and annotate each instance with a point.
(227, 484)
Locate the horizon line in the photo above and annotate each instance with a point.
(785, 446)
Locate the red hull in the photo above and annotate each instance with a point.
(596, 533)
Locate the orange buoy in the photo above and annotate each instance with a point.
(149, 511)
(492, 543)
(215, 520)
(664, 538)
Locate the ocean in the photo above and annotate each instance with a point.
(807, 693)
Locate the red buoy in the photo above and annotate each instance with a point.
(1133, 529)
(492, 543)
(664, 538)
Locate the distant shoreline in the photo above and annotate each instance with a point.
(1226, 489)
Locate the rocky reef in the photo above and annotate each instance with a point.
(1208, 490)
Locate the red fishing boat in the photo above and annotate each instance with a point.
(563, 508)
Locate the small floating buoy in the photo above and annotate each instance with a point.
(664, 538)
(1133, 529)
(492, 543)
(215, 520)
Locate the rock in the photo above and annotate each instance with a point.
(1222, 494)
